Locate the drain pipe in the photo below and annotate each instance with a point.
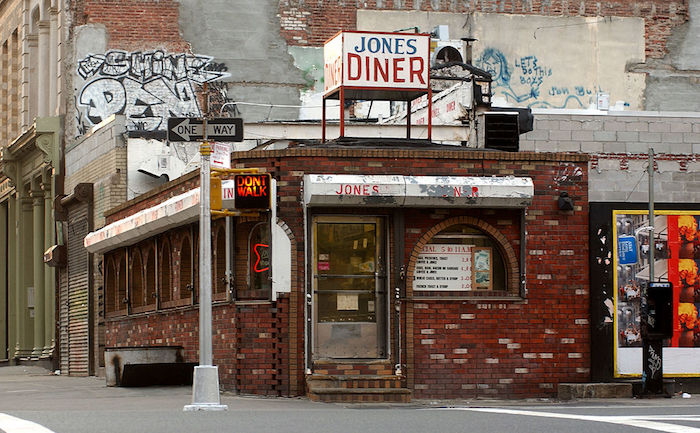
(307, 291)
(400, 277)
(523, 253)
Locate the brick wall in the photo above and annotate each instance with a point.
(249, 341)
(312, 23)
(452, 347)
(134, 25)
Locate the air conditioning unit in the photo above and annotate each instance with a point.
(444, 50)
(501, 130)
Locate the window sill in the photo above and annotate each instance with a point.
(472, 298)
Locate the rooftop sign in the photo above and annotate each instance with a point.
(381, 61)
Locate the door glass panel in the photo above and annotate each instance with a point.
(348, 279)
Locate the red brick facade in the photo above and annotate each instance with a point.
(312, 23)
(460, 346)
(134, 25)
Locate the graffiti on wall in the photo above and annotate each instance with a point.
(146, 87)
(526, 81)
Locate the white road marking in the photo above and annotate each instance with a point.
(642, 421)
(11, 424)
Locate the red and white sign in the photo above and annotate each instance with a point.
(377, 60)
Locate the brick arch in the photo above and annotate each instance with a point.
(510, 259)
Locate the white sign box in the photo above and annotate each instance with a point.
(444, 267)
(377, 61)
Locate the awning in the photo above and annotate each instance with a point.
(417, 191)
(174, 212)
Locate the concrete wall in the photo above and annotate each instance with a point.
(245, 36)
(619, 143)
(540, 61)
(672, 83)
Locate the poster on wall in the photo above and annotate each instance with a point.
(676, 244)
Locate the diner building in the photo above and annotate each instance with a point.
(385, 270)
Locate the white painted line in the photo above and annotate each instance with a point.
(642, 421)
(11, 424)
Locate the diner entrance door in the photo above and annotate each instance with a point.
(349, 288)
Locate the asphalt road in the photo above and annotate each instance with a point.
(74, 405)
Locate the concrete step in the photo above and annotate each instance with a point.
(570, 391)
(320, 381)
(360, 395)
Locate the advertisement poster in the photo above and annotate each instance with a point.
(676, 246)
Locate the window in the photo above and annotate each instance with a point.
(136, 285)
(150, 299)
(220, 283)
(111, 301)
(467, 258)
(252, 259)
(185, 283)
(165, 286)
(122, 299)
(259, 255)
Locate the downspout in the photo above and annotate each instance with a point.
(307, 291)
(400, 276)
(523, 253)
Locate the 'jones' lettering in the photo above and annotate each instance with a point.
(386, 45)
(363, 189)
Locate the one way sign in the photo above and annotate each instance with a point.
(192, 129)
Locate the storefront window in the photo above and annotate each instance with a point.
(461, 258)
(676, 244)
(259, 255)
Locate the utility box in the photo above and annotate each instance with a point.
(660, 310)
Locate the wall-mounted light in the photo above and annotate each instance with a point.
(565, 202)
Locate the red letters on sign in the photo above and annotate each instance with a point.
(362, 189)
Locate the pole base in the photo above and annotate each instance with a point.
(205, 389)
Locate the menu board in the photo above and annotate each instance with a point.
(444, 267)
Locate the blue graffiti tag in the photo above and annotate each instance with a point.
(522, 83)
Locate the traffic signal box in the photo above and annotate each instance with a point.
(660, 310)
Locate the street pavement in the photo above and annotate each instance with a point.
(32, 400)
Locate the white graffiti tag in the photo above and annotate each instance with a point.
(654, 361)
(145, 87)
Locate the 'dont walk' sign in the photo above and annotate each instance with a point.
(377, 60)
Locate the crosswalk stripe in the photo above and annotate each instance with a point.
(12, 424)
(643, 421)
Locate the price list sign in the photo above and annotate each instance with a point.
(444, 267)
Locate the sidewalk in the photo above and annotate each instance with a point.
(27, 387)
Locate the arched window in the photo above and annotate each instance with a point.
(185, 284)
(466, 255)
(122, 301)
(259, 258)
(219, 272)
(111, 295)
(136, 285)
(164, 280)
(150, 300)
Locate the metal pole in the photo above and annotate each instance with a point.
(205, 386)
(205, 349)
(651, 214)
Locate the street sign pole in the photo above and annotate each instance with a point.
(652, 345)
(205, 385)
